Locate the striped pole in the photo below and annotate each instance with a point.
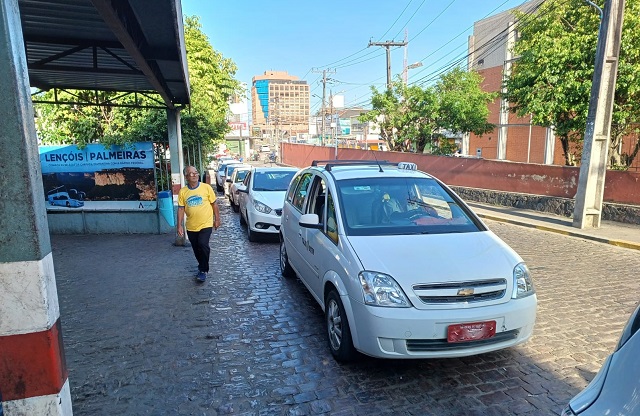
(33, 373)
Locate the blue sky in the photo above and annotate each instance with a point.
(301, 37)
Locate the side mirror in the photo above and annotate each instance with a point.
(228, 180)
(243, 190)
(311, 221)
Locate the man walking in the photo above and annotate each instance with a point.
(198, 201)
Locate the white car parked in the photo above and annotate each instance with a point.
(221, 173)
(236, 182)
(262, 197)
(229, 173)
(400, 264)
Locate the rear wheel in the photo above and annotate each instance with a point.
(339, 334)
(242, 221)
(234, 207)
(285, 268)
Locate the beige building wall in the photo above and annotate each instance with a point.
(279, 104)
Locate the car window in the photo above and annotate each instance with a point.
(247, 179)
(240, 175)
(317, 198)
(331, 225)
(292, 187)
(401, 205)
(272, 180)
(301, 191)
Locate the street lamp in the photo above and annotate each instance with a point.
(405, 73)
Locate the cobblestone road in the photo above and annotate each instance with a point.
(142, 338)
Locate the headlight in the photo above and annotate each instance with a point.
(382, 290)
(522, 283)
(260, 207)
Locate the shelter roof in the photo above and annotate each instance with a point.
(107, 45)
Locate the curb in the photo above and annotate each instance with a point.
(618, 243)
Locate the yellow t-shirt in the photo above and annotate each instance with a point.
(197, 205)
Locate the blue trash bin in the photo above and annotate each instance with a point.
(165, 204)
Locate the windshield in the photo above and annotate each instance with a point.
(401, 206)
(272, 180)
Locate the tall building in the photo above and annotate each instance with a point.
(279, 105)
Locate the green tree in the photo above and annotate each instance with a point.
(463, 105)
(204, 122)
(552, 77)
(413, 117)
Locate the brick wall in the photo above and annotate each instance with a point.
(488, 175)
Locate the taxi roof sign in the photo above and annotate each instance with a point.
(407, 166)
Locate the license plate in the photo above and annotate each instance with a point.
(471, 332)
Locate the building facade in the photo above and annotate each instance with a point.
(237, 139)
(514, 138)
(279, 105)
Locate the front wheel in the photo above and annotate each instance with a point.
(251, 235)
(339, 334)
(285, 268)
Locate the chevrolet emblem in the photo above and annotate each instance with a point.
(467, 291)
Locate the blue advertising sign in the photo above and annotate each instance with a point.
(99, 178)
(345, 126)
(95, 157)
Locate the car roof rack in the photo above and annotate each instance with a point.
(328, 164)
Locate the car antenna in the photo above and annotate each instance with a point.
(374, 156)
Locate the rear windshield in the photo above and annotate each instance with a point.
(402, 206)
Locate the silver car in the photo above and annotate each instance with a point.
(615, 390)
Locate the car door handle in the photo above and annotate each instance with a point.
(300, 233)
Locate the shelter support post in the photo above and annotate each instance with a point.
(33, 372)
(177, 161)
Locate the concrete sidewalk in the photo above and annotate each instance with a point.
(614, 233)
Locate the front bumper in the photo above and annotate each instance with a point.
(412, 333)
(264, 223)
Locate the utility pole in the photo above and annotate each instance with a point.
(593, 166)
(324, 96)
(387, 45)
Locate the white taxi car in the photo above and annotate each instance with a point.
(400, 264)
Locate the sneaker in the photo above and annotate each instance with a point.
(201, 276)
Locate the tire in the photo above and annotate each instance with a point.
(218, 187)
(251, 235)
(285, 268)
(234, 207)
(242, 221)
(338, 332)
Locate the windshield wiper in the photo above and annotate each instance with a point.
(419, 203)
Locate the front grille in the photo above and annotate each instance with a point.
(458, 292)
(427, 345)
(279, 212)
